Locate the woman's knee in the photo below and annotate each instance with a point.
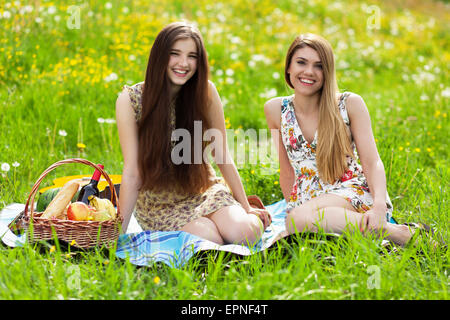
(300, 219)
(250, 231)
(236, 226)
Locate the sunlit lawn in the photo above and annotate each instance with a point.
(62, 66)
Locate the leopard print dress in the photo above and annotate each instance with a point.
(167, 210)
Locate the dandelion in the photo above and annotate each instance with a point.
(417, 149)
(6, 14)
(62, 133)
(110, 121)
(229, 72)
(156, 280)
(400, 148)
(269, 94)
(446, 93)
(106, 262)
(111, 77)
(108, 5)
(100, 120)
(81, 146)
(276, 75)
(5, 167)
(51, 10)
(428, 149)
(275, 182)
(437, 113)
(15, 164)
(73, 243)
(52, 249)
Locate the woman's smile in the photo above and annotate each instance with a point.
(182, 62)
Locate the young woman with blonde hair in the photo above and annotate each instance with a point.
(321, 134)
(170, 194)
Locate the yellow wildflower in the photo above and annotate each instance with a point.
(81, 146)
(417, 149)
(52, 249)
(73, 242)
(156, 280)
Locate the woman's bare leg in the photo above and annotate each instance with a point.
(204, 228)
(235, 225)
(335, 214)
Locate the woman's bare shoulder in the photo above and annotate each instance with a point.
(272, 110)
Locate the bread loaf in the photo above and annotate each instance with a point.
(61, 200)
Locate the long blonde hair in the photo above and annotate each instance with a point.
(333, 145)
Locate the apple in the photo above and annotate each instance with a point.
(78, 211)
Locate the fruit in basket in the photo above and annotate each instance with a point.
(78, 211)
(61, 200)
(47, 196)
(100, 215)
(102, 205)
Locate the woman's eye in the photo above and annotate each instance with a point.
(301, 62)
(319, 66)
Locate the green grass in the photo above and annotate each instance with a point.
(52, 79)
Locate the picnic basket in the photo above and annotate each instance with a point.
(81, 234)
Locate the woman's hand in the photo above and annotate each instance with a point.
(262, 214)
(373, 220)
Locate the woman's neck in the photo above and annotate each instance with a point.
(174, 91)
(306, 104)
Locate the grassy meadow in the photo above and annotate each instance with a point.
(62, 65)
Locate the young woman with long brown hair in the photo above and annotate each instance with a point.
(321, 134)
(169, 194)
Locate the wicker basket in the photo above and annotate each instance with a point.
(81, 234)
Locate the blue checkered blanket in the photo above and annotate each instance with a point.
(175, 248)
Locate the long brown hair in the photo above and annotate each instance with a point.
(333, 145)
(154, 159)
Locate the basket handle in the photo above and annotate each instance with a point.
(32, 195)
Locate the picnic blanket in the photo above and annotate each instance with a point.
(174, 248)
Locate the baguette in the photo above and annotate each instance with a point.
(61, 200)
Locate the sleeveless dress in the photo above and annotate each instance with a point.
(302, 155)
(167, 210)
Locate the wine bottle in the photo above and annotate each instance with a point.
(91, 188)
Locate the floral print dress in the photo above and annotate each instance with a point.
(168, 210)
(302, 155)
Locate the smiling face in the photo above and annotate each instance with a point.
(305, 71)
(182, 62)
